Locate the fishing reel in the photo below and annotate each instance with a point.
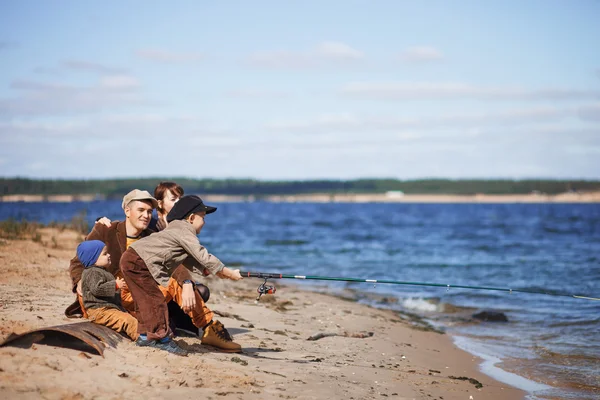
(265, 289)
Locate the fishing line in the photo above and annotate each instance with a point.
(267, 289)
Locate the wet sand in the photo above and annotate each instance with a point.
(363, 352)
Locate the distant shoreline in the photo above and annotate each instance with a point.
(390, 197)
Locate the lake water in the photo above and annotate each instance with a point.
(553, 342)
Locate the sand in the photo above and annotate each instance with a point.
(393, 358)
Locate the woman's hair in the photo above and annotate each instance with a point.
(161, 190)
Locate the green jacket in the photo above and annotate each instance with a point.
(99, 289)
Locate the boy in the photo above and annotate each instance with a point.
(100, 290)
(154, 259)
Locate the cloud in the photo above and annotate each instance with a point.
(253, 93)
(338, 51)
(155, 126)
(453, 151)
(52, 71)
(324, 53)
(452, 90)
(80, 65)
(119, 82)
(69, 66)
(50, 98)
(368, 124)
(421, 54)
(24, 84)
(166, 56)
(590, 113)
(23, 131)
(108, 83)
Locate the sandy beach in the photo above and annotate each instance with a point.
(365, 353)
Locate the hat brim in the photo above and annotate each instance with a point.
(205, 208)
(150, 199)
(210, 209)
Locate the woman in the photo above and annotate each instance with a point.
(167, 194)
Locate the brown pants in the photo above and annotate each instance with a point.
(201, 315)
(150, 301)
(150, 307)
(117, 320)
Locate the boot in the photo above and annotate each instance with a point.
(217, 336)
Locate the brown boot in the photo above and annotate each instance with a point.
(217, 336)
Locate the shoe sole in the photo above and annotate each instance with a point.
(223, 350)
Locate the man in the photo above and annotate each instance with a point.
(138, 206)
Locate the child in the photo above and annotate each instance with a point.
(100, 290)
(155, 258)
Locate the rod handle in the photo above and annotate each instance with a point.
(248, 274)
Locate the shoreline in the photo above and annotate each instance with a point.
(489, 367)
(491, 359)
(489, 362)
(390, 197)
(395, 360)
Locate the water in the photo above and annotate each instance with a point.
(552, 341)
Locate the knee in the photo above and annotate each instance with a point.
(203, 291)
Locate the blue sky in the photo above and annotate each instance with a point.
(300, 89)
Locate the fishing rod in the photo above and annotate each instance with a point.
(270, 289)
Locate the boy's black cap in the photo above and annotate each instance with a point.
(187, 205)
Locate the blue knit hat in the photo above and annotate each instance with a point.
(89, 251)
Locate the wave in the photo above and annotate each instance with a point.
(291, 242)
(419, 304)
(575, 323)
(564, 358)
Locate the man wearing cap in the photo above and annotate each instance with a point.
(138, 206)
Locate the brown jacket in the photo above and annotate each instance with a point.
(166, 251)
(115, 238)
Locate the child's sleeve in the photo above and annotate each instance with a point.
(100, 285)
(199, 253)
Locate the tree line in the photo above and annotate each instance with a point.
(115, 188)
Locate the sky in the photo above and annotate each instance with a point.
(282, 90)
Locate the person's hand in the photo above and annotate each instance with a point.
(161, 224)
(233, 274)
(188, 297)
(79, 288)
(121, 284)
(104, 221)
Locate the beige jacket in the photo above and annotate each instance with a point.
(178, 244)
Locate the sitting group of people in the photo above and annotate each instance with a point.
(135, 275)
